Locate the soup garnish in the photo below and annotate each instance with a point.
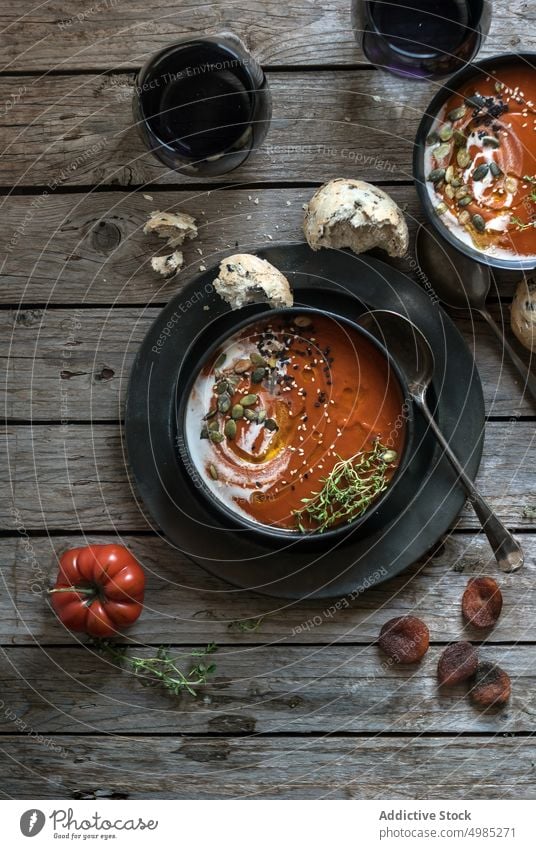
(296, 422)
(480, 162)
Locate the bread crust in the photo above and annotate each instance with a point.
(523, 314)
(245, 279)
(345, 213)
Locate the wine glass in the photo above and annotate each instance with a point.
(202, 105)
(426, 39)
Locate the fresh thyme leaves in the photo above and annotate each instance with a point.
(348, 490)
(246, 625)
(522, 225)
(162, 669)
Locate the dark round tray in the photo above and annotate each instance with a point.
(427, 497)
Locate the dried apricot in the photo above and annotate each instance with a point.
(458, 662)
(404, 639)
(492, 685)
(482, 602)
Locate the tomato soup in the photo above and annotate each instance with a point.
(296, 422)
(480, 162)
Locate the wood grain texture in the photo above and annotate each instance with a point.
(273, 768)
(65, 35)
(186, 605)
(78, 130)
(75, 476)
(89, 248)
(74, 364)
(260, 690)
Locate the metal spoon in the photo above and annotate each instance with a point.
(413, 354)
(460, 283)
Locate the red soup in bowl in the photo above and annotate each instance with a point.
(297, 422)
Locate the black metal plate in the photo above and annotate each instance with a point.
(427, 497)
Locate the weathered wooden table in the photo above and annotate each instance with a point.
(295, 710)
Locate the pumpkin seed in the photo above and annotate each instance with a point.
(213, 472)
(271, 424)
(230, 429)
(242, 365)
(456, 114)
(446, 132)
(222, 387)
(249, 400)
(449, 173)
(510, 184)
(465, 201)
(272, 362)
(389, 456)
(459, 138)
(456, 183)
(462, 191)
(463, 157)
(490, 141)
(211, 413)
(464, 217)
(258, 375)
(442, 153)
(224, 402)
(432, 138)
(436, 175)
(220, 361)
(441, 208)
(478, 223)
(216, 436)
(449, 191)
(261, 415)
(213, 426)
(237, 412)
(250, 415)
(257, 359)
(303, 321)
(475, 100)
(481, 172)
(204, 432)
(499, 87)
(495, 169)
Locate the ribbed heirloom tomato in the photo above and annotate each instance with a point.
(99, 589)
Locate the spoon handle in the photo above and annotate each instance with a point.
(507, 551)
(529, 380)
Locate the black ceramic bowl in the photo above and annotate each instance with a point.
(194, 362)
(486, 66)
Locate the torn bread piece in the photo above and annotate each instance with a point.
(247, 279)
(353, 214)
(523, 315)
(168, 265)
(176, 227)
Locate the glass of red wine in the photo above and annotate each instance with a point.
(203, 105)
(421, 38)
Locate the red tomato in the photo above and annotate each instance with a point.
(99, 589)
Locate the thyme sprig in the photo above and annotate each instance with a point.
(162, 669)
(349, 489)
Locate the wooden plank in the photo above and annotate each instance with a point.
(186, 605)
(274, 768)
(73, 476)
(74, 364)
(259, 690)
(89, 248)
(115, 33)
(78, 130)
